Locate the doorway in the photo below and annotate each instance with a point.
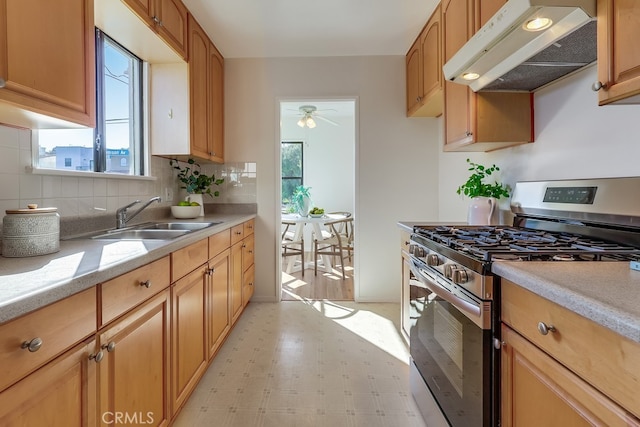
(324, 131)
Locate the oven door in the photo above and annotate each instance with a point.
(452, 351)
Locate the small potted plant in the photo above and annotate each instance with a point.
(483, 195)
(195, 182)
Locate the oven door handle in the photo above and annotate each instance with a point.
(473, 312)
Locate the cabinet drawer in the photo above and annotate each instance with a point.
(59, 326)
(237, 234)
(185, 260)
(125, 292)
(603, 358)
(248, 252)
(248, 227)
(219, 242)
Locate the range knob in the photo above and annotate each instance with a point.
(460, 276)
(433, 260)
(449, 269)
(417, 251)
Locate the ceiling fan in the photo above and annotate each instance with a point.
(309, 113)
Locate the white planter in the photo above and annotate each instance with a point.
(482, 211)
(306, 206)
(197, 198)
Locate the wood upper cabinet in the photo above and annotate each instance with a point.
(564, 367)
(62, 395)
(167, 17)
(206, 76)
(619, 51)
(59, 34)
(133, 376)
(424, 71)
(480, 121)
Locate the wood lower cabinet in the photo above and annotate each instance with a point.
(424, 71)
(577, 373)
(405, 319)
(59, 34)
(482, 121)
(619, 51)
(62, 394)
(188, 334)
(218, 315)
(236, 281)
(134, 373)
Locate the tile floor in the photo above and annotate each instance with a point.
(308, 363)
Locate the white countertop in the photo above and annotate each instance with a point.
(608, 293)
(33, 282)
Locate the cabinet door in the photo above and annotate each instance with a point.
(619, 51)
(198, 89)
(134, 374)
(459, 106)
(538, 391)
(219, 318)
(216, 104)
(248, 286)
(414, 78)
(189, 338)
(59, 34)
(248, 250)
(143, 8)
(431, 66)
(172, 25)
(61, 394)
(487, 8)
(236, 281)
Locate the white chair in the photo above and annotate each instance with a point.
(291, 247)
(336, 244)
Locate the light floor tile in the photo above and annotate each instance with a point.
(302, 363)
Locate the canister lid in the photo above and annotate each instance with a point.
(31, 209)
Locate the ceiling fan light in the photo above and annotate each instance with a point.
(311, 123)
(301, 122)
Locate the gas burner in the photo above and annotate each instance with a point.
(507, 257)
(563, 257)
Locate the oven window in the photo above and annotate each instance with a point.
(453, 356)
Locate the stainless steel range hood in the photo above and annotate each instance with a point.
(507, 57)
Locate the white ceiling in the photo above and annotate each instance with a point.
(293, 28)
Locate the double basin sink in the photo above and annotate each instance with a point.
(151, 230)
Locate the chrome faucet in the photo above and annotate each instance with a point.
(121, 213)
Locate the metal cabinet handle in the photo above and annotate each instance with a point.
(97, 357)
(146, 283)
(109, 347)
(155, 19)
(210, 271)
(468, 133)
(544, 329)
(238, 232)
(33, 345)
(597, 86)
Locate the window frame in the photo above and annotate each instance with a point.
(282, 176)
(140, 155)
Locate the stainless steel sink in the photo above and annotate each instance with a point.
(149, 231)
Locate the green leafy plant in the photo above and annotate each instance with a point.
(193, 180)
(299, 195)
(475, 187)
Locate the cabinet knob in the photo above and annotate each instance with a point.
(155, 19)
(418, 98)
(146, 284)
(544, 329)
(2, 82)
(33, 345)
(210, 271)
(467, 133)
(597, 86)
(97, 357)
(109, 347)
(238, 232)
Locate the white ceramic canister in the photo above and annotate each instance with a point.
(30, 232)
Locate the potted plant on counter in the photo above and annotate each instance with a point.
(195, 182)
(483, 195)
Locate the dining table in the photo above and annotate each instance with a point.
(317, 223)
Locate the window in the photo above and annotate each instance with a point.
(292, 168)
(115, 145)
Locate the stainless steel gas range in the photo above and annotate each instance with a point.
(454, 296)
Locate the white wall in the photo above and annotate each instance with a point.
(574, 139)
(397, 157)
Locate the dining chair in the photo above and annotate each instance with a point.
(335, 245)
(291, 247)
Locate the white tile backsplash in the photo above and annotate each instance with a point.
(86, 196)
